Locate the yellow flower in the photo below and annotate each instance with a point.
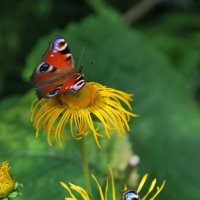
(77, 111)
(139, 188)
(7, 182)
(72, 189)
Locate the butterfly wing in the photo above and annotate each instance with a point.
(70, 80)
(56, 70)
(57, 60)
(74, 83)
(59, 54)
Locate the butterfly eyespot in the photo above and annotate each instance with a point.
(44, 67)
(131, 195)
(54, 92)
(61, 44)
(58, 43)
(56, 73)
(79, 83)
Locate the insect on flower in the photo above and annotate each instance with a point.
(130, 195)
(110, 188)
(73, 105)
(57, 74)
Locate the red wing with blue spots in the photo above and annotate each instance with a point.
(57, 74)
(130, 195)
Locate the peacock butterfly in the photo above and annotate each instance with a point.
(57, 74)
(129, 195)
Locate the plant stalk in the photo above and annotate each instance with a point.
(85, 165)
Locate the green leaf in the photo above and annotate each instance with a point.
(165, 136)
(16, 185)
(13, 195)
(169, 35)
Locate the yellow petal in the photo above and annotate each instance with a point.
(99, 188)
(150, 189)
(159, 189)
(142, 182)
(113, 184)
(81, 191)
(69, 190)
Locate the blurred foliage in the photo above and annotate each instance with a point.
(157, 59)
(177, 35)
(22, 23)
(39, 167)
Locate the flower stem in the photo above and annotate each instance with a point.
(85, 164)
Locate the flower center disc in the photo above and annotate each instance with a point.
(84, 98)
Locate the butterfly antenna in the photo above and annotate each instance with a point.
(90, 63)
(81, 57)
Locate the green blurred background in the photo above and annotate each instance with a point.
(147, 47)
